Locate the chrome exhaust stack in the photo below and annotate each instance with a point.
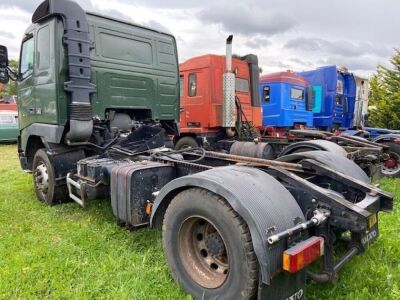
(228, 91)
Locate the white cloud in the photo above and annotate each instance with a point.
(284, 34)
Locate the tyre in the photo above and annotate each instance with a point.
(44, 180)
(186, 142)
(332, 160)
(209, 248)
(391, 167)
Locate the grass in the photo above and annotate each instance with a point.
(72, 253)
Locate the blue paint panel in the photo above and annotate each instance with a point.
(337, 107)
(282, 110)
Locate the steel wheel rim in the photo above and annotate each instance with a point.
(391, 171)
(42, 178)
(203, 252)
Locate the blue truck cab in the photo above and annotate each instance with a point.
(338, 87)
(286, 100)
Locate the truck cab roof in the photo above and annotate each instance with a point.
(285, 77)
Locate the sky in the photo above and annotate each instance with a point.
(285, 34)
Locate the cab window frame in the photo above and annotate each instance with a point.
(292, 97)
(25, 74)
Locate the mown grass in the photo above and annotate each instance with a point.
(72, 253)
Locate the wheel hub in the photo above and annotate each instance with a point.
(391, 166)
(42, 178)
(391, 163)
(215, 245)
(203, 252)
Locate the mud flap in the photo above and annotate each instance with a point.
(284, 286)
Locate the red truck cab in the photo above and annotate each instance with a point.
(201, 82)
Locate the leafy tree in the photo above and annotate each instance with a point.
(385, 95)
(11, 87)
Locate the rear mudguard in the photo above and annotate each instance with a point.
(332, 160)
(265, 205)
(314, 145)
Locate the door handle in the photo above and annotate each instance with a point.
(32, 111)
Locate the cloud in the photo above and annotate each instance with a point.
(31, 5)
(342, 47)
(247, 19)
(7, 34)
(258, 42)
(28, 6)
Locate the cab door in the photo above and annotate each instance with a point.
(26, 99)
(194, 109)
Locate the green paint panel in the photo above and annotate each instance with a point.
(133, 68)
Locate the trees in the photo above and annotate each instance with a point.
(385, 95)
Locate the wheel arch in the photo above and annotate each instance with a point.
(252, 194)
(37, 136)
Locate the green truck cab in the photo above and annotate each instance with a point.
(85, 78)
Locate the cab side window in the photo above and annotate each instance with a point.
(192, 85)
(26, 61)
(43, 48)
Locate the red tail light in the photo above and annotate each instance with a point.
(303, 254)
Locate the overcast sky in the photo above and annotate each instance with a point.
(285, 34)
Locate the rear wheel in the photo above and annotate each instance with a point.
(209, 247)
(45, 182)
(186, 142)
(391, 167)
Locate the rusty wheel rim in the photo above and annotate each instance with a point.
(203, 252)
(391, 169)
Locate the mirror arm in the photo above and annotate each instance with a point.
(13, 75)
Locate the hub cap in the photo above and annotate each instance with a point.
(391, 166)
(203, 252)
(42, 178)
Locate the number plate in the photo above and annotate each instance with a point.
(370, 236)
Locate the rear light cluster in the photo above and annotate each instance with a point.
(303, 254)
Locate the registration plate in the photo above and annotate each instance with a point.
(370, 236)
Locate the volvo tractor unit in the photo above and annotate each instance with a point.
(98, 101)
(338, 88)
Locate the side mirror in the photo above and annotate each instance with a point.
(4, 77)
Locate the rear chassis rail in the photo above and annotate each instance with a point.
(351, 205)
(361, 151)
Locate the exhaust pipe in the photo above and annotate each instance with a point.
(228, 91)
(228, 54)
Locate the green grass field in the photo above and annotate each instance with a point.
(73, 253)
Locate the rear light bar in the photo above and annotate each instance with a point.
(303, 254)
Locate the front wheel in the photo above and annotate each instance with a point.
(45, 182)
(209, 247)
(186, 142)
